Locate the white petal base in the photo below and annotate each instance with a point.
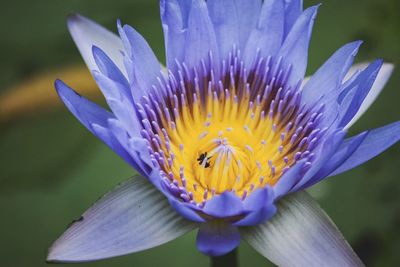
(301, 234)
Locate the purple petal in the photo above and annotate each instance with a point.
(133, 217)
(376, 141)
(259, 198)
(225, 205)
(174, 16)
(105, 134)
(345, 150)
(267, 36)
(329, 77)
(200, 37)
(248, 14)
(108, 68)
(380, 81)
(84, 110)
(141, 61)
(301, 234)
(185, 210)
(92, 116)
(288, 180)
(260, 207)
(294, 50)
(355, 93)
(120, 103)
(136, 147)
(226, 27)
(217, 238)
(323, 154)
(293, 10)
(87, 33)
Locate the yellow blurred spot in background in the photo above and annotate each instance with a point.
(37, 94)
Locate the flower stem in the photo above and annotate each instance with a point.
(228, 260)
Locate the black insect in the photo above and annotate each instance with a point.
(203, 157)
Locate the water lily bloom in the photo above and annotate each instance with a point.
(225, 138)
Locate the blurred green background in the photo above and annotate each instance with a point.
(52, 169)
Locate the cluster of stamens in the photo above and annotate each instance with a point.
(236, 133)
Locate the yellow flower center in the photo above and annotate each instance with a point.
(237, 134)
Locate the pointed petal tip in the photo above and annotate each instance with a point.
(373, 143)
(86, 33)
(57, 254)
(311, 13)
(357, 44)
(96, 49)
(75, 18)
(313, 9)
(112, 227)
(389, 66)
(119, 23)
(379, 61)
(58, 82)
(60, 87)
(53, 255)
(63, 89)
(356, 47)
(386, 71)
(50, 256)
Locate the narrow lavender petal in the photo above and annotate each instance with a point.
(142, 61)
(323, 154)
(136, 147)
(380, 82)
(259, 206)
(132, 217)
(288, 180)
(185, 210)
(120, 103)
(301, 234)
(293, 9)
(259, 198)
(174, 16)
(248, 14)
(87, 33)
(294, 50)
(329, 77)
(217, 238)
(345, 151)
(256, 217)
(92, 116)
(267, 36)
(354, 95)
(106, 135)
(225, 205)
(108, 68)
(200, 36)
(84, 110)
(226, 26)
(376, 141)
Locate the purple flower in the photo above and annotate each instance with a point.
(224, 134)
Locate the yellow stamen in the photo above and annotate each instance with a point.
(225, 145)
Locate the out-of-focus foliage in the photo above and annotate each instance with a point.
(52, 169)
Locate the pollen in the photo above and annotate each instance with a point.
(237, 133)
